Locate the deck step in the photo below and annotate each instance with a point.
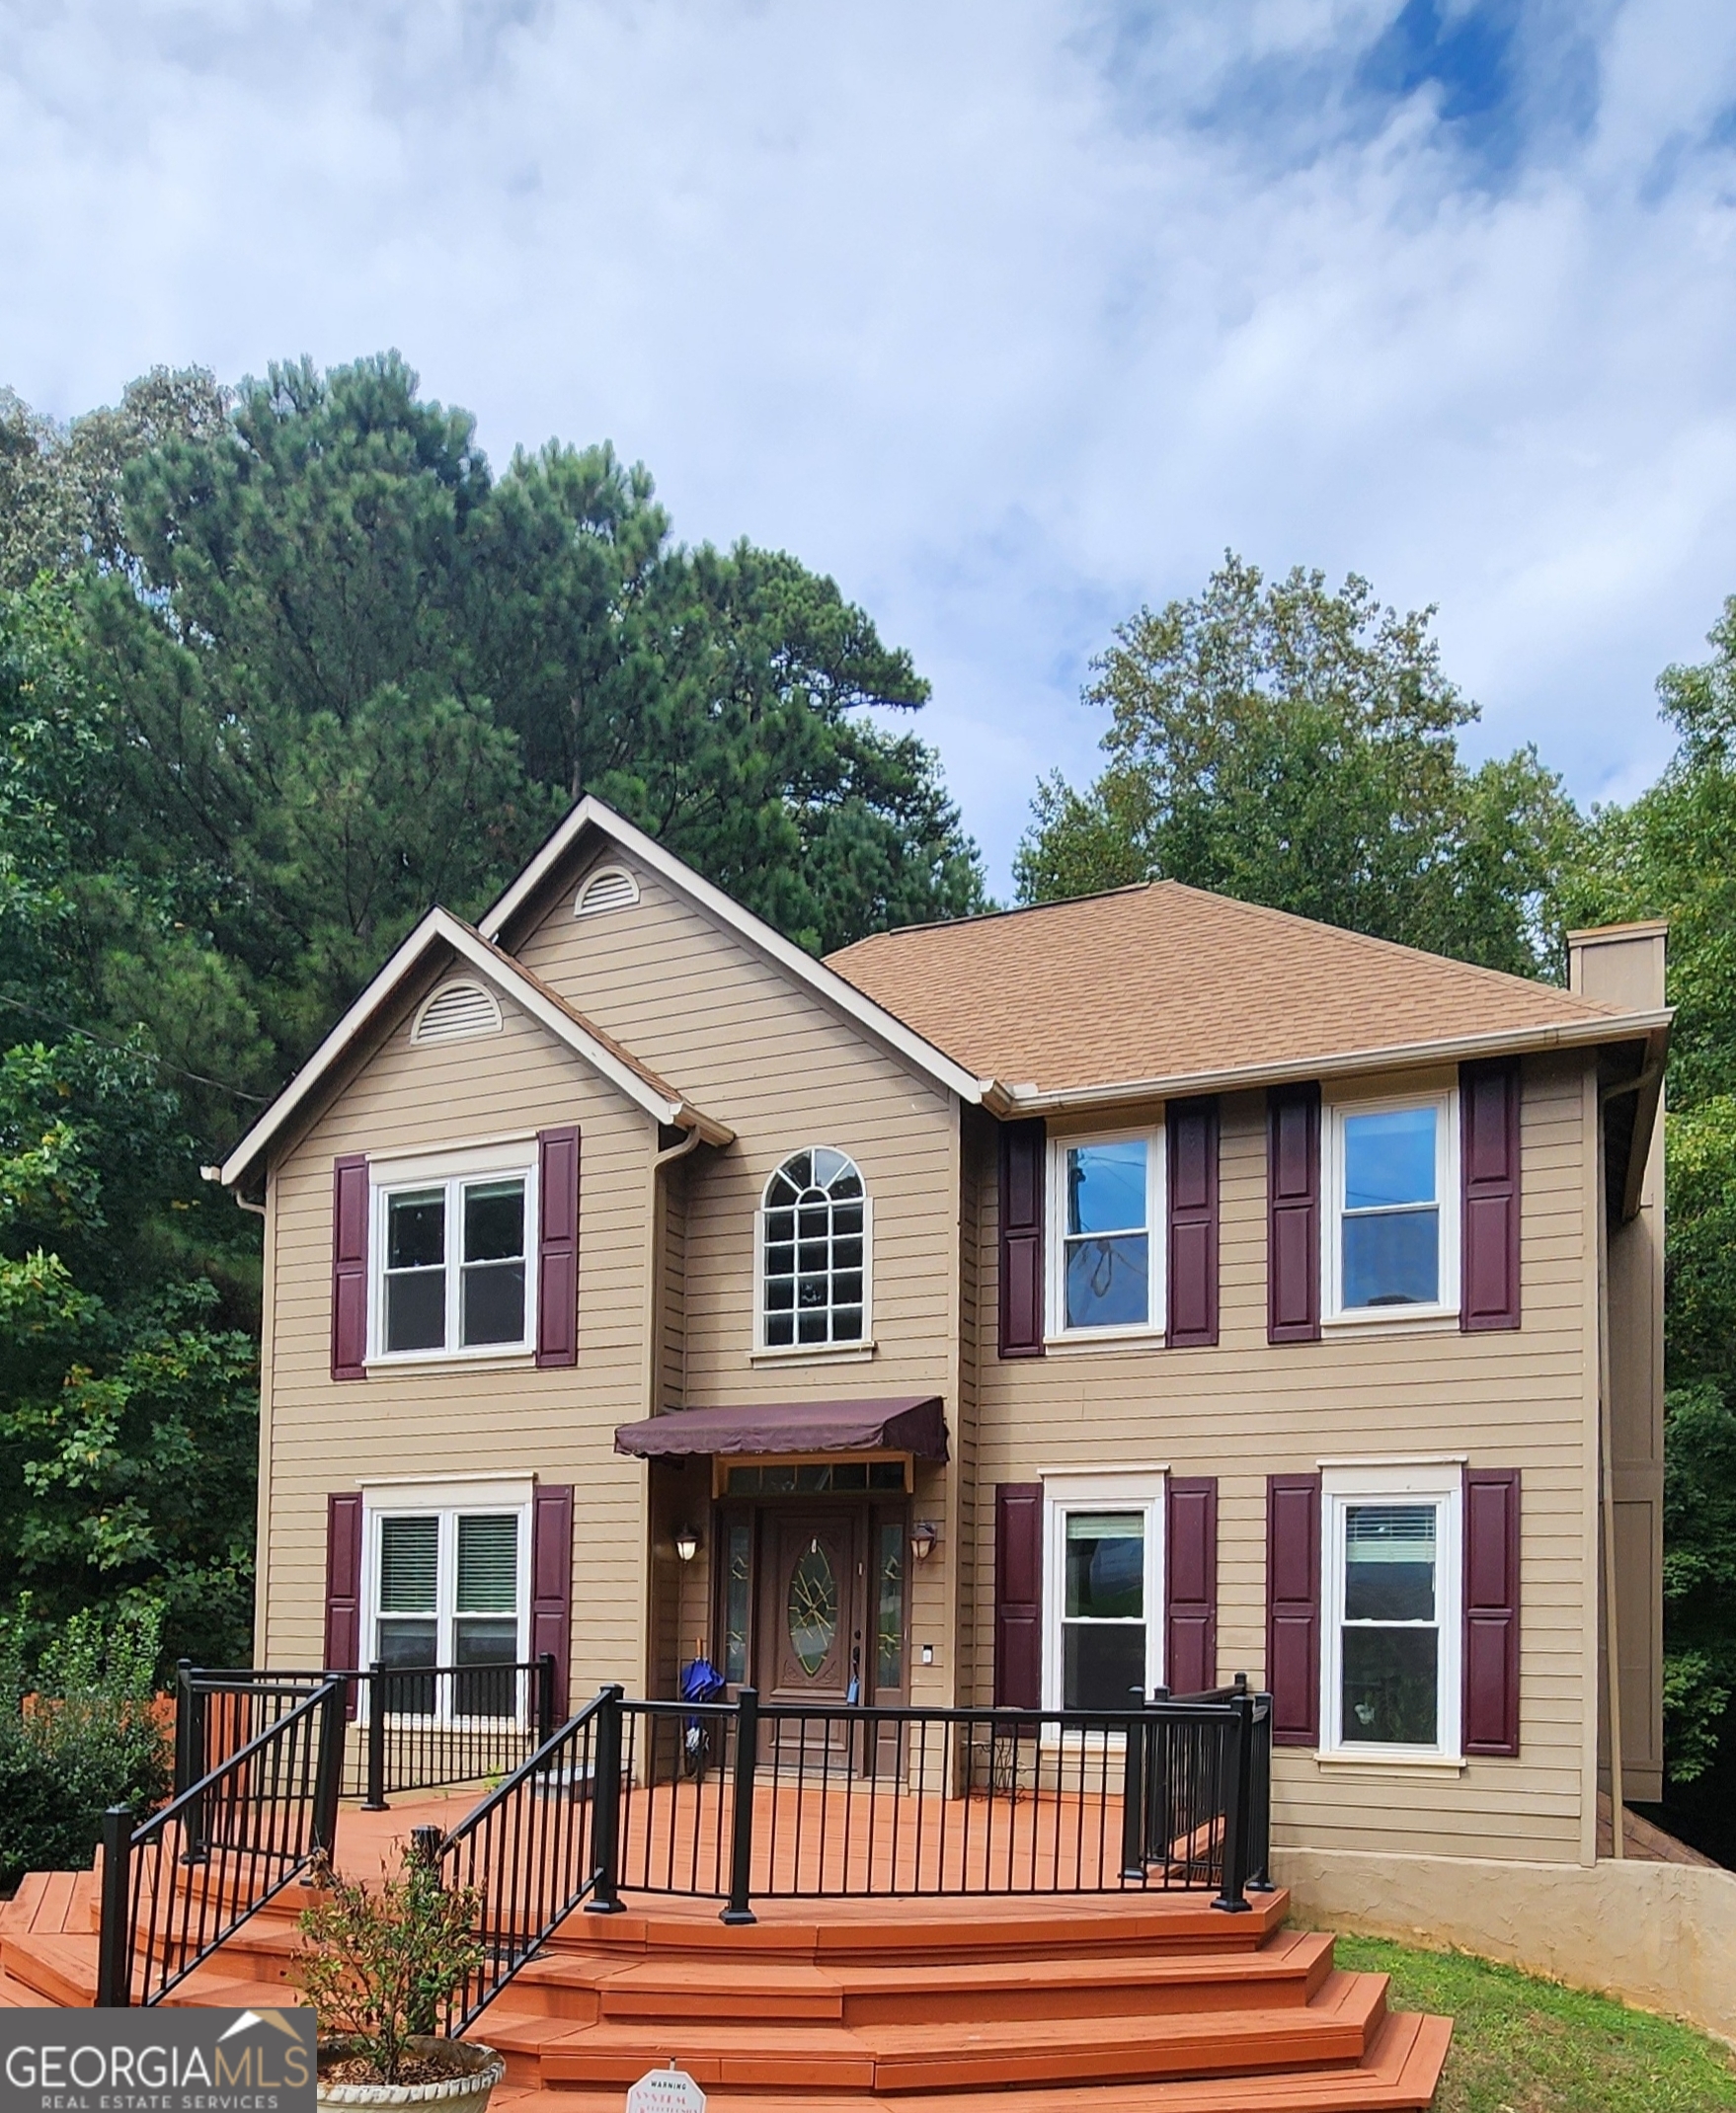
(910, 2058)
(1288, 1969)
(1398, 2073)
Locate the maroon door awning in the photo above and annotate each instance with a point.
(908, 1423)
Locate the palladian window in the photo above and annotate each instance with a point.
(814, 1253)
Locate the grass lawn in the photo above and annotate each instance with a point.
(1526, 2046)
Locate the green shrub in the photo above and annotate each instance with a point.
(78, 1737)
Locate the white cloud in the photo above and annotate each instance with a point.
(1011, 313)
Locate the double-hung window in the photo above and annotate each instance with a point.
(1103, 1580)
(1393, 1181)
(1391, 1666)
(1106, 1260)
(450, 1252)
(450, 1593)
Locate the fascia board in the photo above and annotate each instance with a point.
(441, 925)
(1515, 1042)
(887, 1027)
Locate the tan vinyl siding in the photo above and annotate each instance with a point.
(1247, 1409)
(450, 1420)
(693, 1001)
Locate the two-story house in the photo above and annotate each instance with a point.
(1119, 1294)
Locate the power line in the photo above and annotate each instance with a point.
(126, 1049)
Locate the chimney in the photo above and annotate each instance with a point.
(1620, 965)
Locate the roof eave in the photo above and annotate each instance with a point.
(1576, 1034)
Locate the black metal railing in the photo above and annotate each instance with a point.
(738, 1802)
(534, 1848)
(176, 1886)
(412, 1728)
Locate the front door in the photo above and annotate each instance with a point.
(811, 1618)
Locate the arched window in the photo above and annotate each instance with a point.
(814, 1251)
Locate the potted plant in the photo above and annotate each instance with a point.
(380, 1964)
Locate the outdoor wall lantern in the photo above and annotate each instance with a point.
(687, 1543)
(923, 1538)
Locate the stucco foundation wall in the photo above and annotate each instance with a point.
(1661, 1935)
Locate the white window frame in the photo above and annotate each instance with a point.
(1441, 1484)
(1151, 1328)
(448, 1502)
(1333, 1173)
(453, 1172)
(1101, 1492)
(858, 1346)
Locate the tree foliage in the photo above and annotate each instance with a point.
(354, 672)
(1295, 747)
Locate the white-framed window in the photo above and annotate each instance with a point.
(813, 1255)
(1391, 1249)
(450, 1248)
(447, 1585)
(1105, 1253)
(1103, 1588)
(1392, 1605)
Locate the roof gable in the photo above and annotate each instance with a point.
(322, 1074)
(559, 859)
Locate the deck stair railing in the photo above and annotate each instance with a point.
(534, 1848)
(175, 1887)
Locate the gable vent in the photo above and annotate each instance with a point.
(611, 888)
(455, 1012)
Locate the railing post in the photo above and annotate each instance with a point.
(375, 1800)
(184, 1775)
(605, 1808)
(742, 1819)
(115, 1943)
(1132, 1793)
(328, 1782)
(545, 1698)
(1260, 1853)
(198, 1763)
(1237, 1803)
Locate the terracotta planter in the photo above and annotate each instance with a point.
(466, 2093)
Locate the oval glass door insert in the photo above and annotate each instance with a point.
(813, 1609)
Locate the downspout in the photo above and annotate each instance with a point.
(1606, 1478)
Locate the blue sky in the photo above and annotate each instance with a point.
(1011, 314)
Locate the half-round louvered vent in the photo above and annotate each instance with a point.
(455, 1012)
(609, 888)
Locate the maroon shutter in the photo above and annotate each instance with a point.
(1023, 1171)
(1491, 1611)
(1293, 1608)
(1292, 1194)
(1190, 1584)
(1488, 1104)
(551, 1583)
(1018, 1594)
(1192, 1224)
(350, 1267)
(343, 1524)
(557, 1247)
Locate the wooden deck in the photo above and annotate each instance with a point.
(1083, 2004)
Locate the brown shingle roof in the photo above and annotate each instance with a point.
(1164, 981)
